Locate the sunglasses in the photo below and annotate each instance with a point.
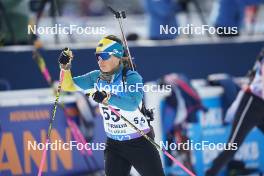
(103, 55)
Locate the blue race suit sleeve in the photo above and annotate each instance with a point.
(80, 83)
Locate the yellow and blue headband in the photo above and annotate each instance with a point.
(107, 45)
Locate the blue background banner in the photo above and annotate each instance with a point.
(30, 123)
(152, 62)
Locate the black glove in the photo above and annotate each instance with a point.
(99, 96)
(65, 56)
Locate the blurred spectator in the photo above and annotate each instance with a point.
(231, 12)
(13, 22)
(161, 12)
(99, 7)
(83, 8)
(250, 18)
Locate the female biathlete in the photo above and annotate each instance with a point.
(117, 85)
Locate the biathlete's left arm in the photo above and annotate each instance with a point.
(128, 101)
(131, 98)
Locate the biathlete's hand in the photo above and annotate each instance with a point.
(65, 58)
(101, 97)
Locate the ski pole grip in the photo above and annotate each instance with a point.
(123, 14)
(117, 14)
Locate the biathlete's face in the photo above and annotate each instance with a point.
(109, 64)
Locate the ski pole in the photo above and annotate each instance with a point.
(149, 139)
(152, 141)
(119, 16)
(77, 135)
(44, 154)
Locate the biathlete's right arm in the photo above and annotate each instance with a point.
(82, 83)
